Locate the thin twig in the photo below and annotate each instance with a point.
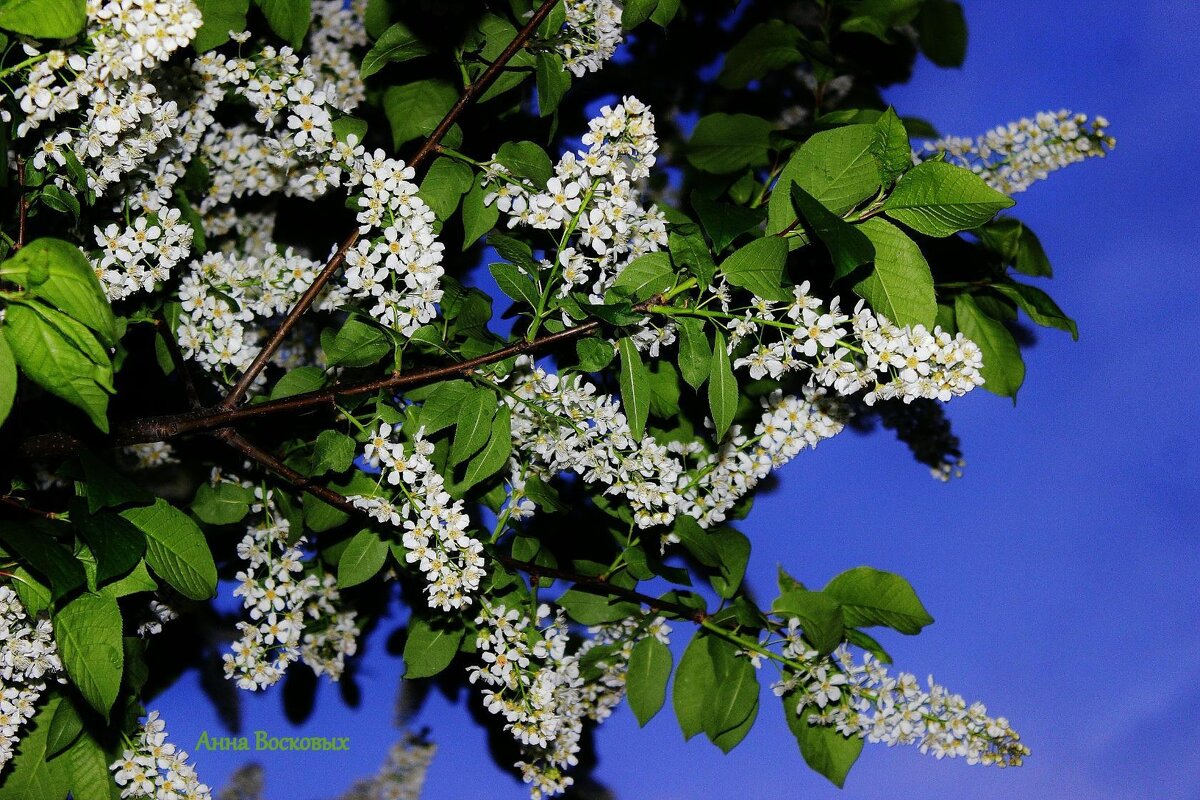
(470, 92)
(37, 512)
(22, 206)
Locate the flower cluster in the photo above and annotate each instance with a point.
(603, 694)
(150, 454)
(872, 354)
(591, 34)
(140, 256)
(397, 264)
(435, 527)
(403, 774)
(593, 197)
(160, 614)
(790, 424)
(28, 656)
(864, 700)
(283, 603)
(225, 294)
(530, 679)
(565, 424)
(154, 769)
(1013, 156)
(536, 686)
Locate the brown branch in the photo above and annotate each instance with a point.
(153, 429)
(535, 571)
(470, 92)
(12, 502)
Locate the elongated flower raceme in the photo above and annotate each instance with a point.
(154, 769)
(1012, 157)
(293, 615)
(413, 496)
(28, 657)
(864, 700)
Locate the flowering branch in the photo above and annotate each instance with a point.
(429, 147)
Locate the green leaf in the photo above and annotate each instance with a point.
(474, 425)
(8, 379)
(289, 19)
(644, 277)
(136, 582)
(220, 18)
(848, 246)
(477, 218)
(495, 453)
(939, 199)
(822, 619)
(664, 389)
(106, 487)
(942, 31)
(588, 607)
(635, 12)
(768, 46)
(356, 344)
(691, 251)
(553, 81)
(117, 545)
(36, 546)
(664, 12)
(65, 727)
(526, 160)
(444, 185)
(837, 167)
(29, 775)
(1003, 368)
(695, 356)
(695, 681)
(514, 250)
(758, 267)
(515, 282)
(594, 354)
(431, 646)
(52, 359)
(722, 387)
(874, 597)
(362, 559)
(441, 408)
(298, 381)
(1017, 245)
(87, 763)
(868, 643)
(733, 551)
(334, 452)
(891, 146)
(646, 679)
(1040, 307)
(824, 749)
(345, 127)
(724, 143)
(415, 109)
(44, 19)
(734, 702)
(176, 549)
(222, 504)
(88, 633)
(635, 387)
(724, 222)
(900, 286)
(396, 44)
(492, 35)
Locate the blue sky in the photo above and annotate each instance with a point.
(1061, 569)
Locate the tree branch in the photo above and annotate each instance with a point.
(470, 92)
